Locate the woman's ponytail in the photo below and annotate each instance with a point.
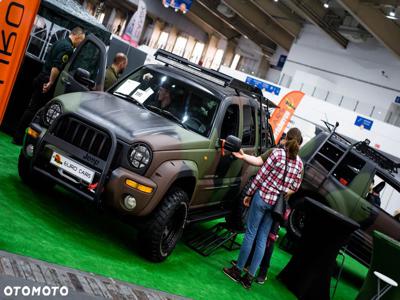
(292, 148)
(293, 142)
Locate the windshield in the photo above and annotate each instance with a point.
(194, 109)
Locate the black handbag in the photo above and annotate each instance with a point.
(278, 211)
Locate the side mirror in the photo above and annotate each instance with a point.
(83, 77)
(232, 143)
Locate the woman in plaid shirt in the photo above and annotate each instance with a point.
(262, 195)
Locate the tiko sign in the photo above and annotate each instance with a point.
(16, 19)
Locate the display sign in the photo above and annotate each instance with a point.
(363, 122)
(397, 100)
(262, 85)
(16, 20)
(135, 26)
(281, 116)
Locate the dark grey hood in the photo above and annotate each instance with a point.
(131, 122)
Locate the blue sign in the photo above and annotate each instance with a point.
(262, 85)
(365, 123)
(397, 99)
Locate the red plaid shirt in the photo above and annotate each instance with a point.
(269, 179)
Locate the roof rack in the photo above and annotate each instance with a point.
(216, 77)
(365, 149)
(373, 154)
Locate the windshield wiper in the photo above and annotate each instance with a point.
(129, 98)
(167, 114)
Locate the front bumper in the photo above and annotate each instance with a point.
(108, 185)
(81, 142)
(116, 190)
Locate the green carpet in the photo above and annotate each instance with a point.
(58, 227)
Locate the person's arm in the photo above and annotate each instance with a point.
(295, 185)
(250, 159)
(57, 64)
(53, 77)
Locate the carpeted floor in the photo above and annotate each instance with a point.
(58, 227)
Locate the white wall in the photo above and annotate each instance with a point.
(355, 72)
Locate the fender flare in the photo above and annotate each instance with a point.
(165, 176)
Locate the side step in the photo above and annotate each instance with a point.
(206, 216)
(207, 242)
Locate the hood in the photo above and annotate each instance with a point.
(130, 122)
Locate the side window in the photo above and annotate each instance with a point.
(230, 124)
(384, 194)
(348, 169)
(200, 112)
(88, 58)
(249, 126)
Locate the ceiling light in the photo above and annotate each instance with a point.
(326, 4)
(276, 0)
(392, 14)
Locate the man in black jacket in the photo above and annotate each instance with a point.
(44, 83)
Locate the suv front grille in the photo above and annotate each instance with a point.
(88, 138)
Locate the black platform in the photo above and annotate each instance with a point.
(309, 271)
(209, 241)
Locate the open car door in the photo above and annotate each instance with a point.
(85, 70)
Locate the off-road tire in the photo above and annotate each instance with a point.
(158, 243)
(32, 179)
(236, 220)
(295, 222)
(24, 169)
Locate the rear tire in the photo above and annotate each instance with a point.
(166, 225)
(295, 223)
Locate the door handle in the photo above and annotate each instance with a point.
(65, 81)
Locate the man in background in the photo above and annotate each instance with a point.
(44, 83)
(114, 71)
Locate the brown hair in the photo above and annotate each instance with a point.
(77, 31)
(293, 142)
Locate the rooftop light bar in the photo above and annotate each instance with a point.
(186, 65)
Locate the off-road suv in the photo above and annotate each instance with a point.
(339, 173)
(150, 146)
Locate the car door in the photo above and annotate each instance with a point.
(86, 69)
(220, 174)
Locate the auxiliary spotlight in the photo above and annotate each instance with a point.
(326, 4)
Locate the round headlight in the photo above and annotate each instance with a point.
(52, 112)
(139, 156)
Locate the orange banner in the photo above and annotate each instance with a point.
(281, 116)
(16, 20)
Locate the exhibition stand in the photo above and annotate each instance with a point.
(309, 271)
